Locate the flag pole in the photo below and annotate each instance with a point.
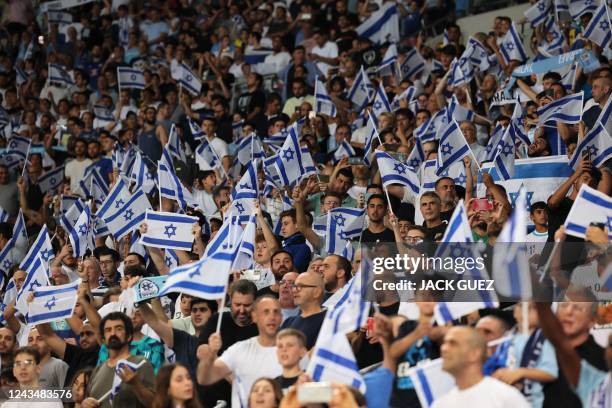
(159, 187)
(25, 163)
(525, 317)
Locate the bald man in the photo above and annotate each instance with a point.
(464, 351)
(601, 90)
(308, 291)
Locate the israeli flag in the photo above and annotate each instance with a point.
(446, 312)
(371, 133)
(237, 130)
(590, 206)
(453, 147)
(457, 77)
(116, 198)
(253, 57)
(343, 224)
(498, 132)
(196, 131)
(567, 110)
(4, 216)
(103, 113)
(290, 161)
(130, 78)
(388, 65)
(605, 117)
(81, 234)
(59, 73)
(506, 153)
(599, 29)
(429, 130)
(21, 77)
(555, 47)
(431, 381)
(323, 103)
(381, 103)
(413, 64)
(249, 149)
(59, 17)
(511, 271)
(127, 217)
(6, 260)
(93, 185)
(207, 278)
(537, 13)
(168, 230)
(382, 26)
(359, 95)
(51, 180)
(170, 185)
(429, 175)
(458, 112)
(41, 248)
(37, 277)
(348, 311)
(333, 361)
(407, 95)
(52, 303)
(343, 150)
(19, 147)
(596, 146)
(579, 7)
(189, 80)
(512, 47)
(174, 145)
(206, 158)
(458, 229)
(395, 172)
(70, 216)
(121, 364)
(277, 138)
(478, 55)
(245, 258)
(20, 234)
(243, 204)
(141, 176)
(417, 155)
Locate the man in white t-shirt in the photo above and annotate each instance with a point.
(204, 197)
(246, 360)
(218, 145)
(278, 59)
(75, 169)
(538, 237)
(463, 353)
(325, 53)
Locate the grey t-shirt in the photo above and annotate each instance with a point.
(53, 373)
(9, 198)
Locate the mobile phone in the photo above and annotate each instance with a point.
(482, 204)
(324, 178)
(369, 327)
(355, 160)
(306, 16)
(586, 155)
(314, 393)
(312, 115)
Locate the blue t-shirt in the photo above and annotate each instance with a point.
(379, 384)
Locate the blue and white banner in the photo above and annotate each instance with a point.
(417, 155)
(359, 95)
(547, 65)
(59, 74)
(395, 172)
(537, 13)
(59, 17)
(170, 185)
(370, 134)
(81, 234)
(431, 381)
(19, 147)
(343, 224)
(590, 206)
(127, 218)
(205, 156)
(245, 258)
(407, 95)
(168, 230)
(93, 185)
(382, 26)
(140, 175)
(189, 80)
(323, 103)
(20, 233)
(130, 78)
(453, 147)
(506, 154)
(249, 149)
(37, 276)
(348, 311)
(388, 65)
(596, 147)
(51, 180)
(52, 303)
(511, 271)
(413, 64)
(512, 46)
(291, 161)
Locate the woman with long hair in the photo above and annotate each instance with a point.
(174, 388)
(79, 386)
(265, 393)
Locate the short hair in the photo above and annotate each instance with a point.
(103, 251)
(555, 76)
(244, 287)
(537, 206)
(205, 173)
(345, 265)
(127, 322)
(432, 194)
(6, 230)
(288, 213)
(348, 173)
(417, 228)
(379, 196)
(331, 194)
(141, 259)
(212, 305)
(438, 181)
(28, 350)
(281, 251)
(134, 270)
(300, 336)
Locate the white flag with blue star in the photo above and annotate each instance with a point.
(249, 149)
(453, 147)
(188, 80)
(381, 103)
(170, 186)
(323, 102)
(20, 234)
(596, 146)
(407, 95)
(243, 204)
(388, 65)
(511, 271)
(37, 276)
(567, 109)
(128, 216)
(59, 74)
(141, 176)
(343, 224)
(174, 145)
(506, 154)
(413, 64)
(168, 230)
(42, 247)
(498, 132)
(599, 29)
(130, 78)
(458, 112)
(208, 277)
(590, 206)
(537, 13)
(370, 134)
(51, 180)
(417, 155)
(82, 233)
(93, 185)
(359, 95)
(292, 161)
(393, 171)
(52, 303)
(512, 47)
(206, 158)
(246, 253)
(343, 150)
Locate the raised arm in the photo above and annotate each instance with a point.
(299, 196)
(55, 343)
(271, 240)
(163, 329)
(211, 369)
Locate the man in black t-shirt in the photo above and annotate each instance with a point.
(376, 208)
(430, 209)
(252, 102)
(445, 188)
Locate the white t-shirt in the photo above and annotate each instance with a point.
(535, 242)
(75, 170)
(249, 361)
(488, 393)
(206, 201)
(278, 61)
(329, 50)
(220, 147)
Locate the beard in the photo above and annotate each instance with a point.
(115, 343)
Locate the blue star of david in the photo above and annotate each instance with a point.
(189, 78)
(541, 6)
(529, 197)
(488, 148)
(149, 176)
(399, 168)
(340, 220)
(603, 25)
(240, 208)
(245, 186)
(13, 144)
(45, 254)
(447, 148)
(194, 273)
(462, 61)
(593, 150)
(377, 105)
(128, 214)
(168, 261)
(554, 34)
(414, 163)
(7, 264)
(51, 303)
(8, 159)
(119, 203)
(34, 284)
(170, 230)
(506, 149)
(133, 77)
(457, 250)
(461, 179)
(362, 87)
(288, 154)
(343, 235)
(52, 180)
(588, 2)
(510, 46)
(83, 229)
(354, 126)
